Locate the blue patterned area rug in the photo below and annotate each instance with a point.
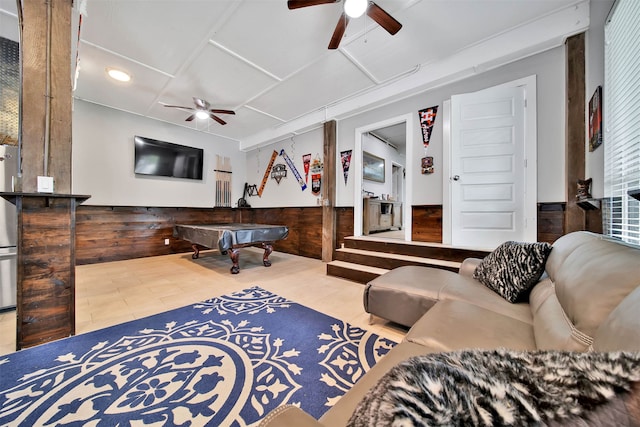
(226, 361)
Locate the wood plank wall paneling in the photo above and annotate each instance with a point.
(106, 233)
(550, 221)
(118, 233)
(344, 224)
(426, 223)
(45, 306)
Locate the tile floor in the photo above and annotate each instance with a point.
(116, 292)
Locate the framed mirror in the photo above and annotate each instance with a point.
(372, 167)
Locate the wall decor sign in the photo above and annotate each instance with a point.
(427, 119)
(266, 172)
(595, 119)
(426, 165)
(293, 168)
(372, 167)
(345, 156)
(278, 172)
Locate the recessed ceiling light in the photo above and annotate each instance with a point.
(119, 75)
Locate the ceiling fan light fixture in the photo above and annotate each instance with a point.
(355, 8)
(119, 75)
(202, 114)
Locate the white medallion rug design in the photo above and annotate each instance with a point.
(226, 361)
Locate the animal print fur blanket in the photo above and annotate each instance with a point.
(506, 388)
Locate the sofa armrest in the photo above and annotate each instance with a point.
(468, 266)
(289, 416)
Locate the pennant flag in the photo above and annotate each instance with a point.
(427, 119)
(346, 162)
(306, 160)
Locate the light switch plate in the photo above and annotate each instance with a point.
(45, 184)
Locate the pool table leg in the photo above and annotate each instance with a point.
(196, 252)
(234, 254)
(268, 248)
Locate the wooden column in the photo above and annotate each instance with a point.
(575, 122)
(329, 192)
(46, 222)
(45, 34)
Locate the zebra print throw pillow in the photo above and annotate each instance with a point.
(513, 268)
(506, 388)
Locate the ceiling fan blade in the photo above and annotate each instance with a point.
(179, 106)
(223, 111)
(190, 118)
(341, 26)
(297, 4)
(217, 119)
(385, 20)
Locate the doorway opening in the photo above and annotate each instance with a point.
(383, 187)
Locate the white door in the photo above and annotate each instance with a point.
(488, 168)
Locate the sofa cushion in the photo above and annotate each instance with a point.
(513, 268)
(404, 294)
(454, 325)
(621, 330)
(593, 279)
(551, 327)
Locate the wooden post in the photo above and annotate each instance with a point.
(45, 305)
(45, 28)
(329, 192)
(575, 122)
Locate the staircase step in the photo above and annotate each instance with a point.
(417, 249)
(356, 272)
(390, 260)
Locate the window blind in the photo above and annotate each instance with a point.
(621, 93)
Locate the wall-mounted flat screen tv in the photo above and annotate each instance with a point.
(159, 158)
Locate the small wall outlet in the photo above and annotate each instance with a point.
(166, 242)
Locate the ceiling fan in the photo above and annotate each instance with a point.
(203, 110)
(352, 9)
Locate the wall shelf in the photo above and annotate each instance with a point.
(589, 204)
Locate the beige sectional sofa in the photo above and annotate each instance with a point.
(587, 299)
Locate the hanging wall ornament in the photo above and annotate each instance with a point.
(266, 172)
(345, 156)
(426, 165)
(306, 161)
(278, 172)
(293, 168)
(427, 119)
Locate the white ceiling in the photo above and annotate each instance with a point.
(272, 67)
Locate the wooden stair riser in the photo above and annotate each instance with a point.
(384, 262)
(401, 248)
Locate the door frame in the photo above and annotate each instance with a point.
(408, 120)
(530, 155)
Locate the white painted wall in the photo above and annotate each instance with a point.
(378, 148)
(594, 56)
(549, 67)
(288, 193)
(103, 161)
